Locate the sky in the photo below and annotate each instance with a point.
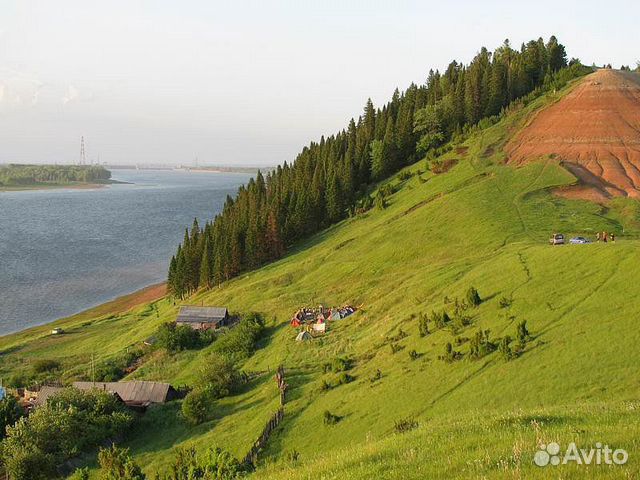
(248, 82)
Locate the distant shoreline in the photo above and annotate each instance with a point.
(202, 169)
(221, 170)
(60, 186)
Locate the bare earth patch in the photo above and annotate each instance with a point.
(595, 132)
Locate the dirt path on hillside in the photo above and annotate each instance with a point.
(594, 131)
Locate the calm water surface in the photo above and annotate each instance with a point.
(62, 251)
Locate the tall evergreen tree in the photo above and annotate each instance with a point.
(205, 266)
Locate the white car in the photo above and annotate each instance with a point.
(579, 240)
(557, 239)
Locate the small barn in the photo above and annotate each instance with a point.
(203, 318)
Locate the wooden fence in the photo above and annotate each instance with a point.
(251, 457)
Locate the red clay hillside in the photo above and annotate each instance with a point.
(594, 131)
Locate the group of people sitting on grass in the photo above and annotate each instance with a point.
(320, 314)
(605, 237)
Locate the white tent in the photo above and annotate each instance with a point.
(303, 336)
(320, 327)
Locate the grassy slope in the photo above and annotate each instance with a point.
(480, 224)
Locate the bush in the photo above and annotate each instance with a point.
(405, 425)
(423, 325)
(399, 336)
(505, 349)
(239, 342)
(197, 406)
(523, 334)
(175, 338)
(45, 365)
(325, 386)
(116, 464)
(28, 463)
(460, 320)
(214, 464)
(405, 175)
(71, 422)
(330, 418)
(340, 364)
(10, 413)
(413, 355)
(395, 348)
(345, 378)
(80, 474)
(505, 302)
(450, 355)
(376, 376)
(363, 205)
(473, 298)
(460, 340)
(220, 376)
(440, 319)
(481, 345)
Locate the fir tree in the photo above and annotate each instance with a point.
(205, 266)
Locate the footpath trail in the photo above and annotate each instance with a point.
(595, 130)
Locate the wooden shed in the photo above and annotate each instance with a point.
(203, 318)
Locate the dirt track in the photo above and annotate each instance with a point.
(595, 131)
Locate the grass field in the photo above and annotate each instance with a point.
(481, 224)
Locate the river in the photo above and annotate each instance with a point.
(63, 251)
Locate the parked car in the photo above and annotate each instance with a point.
(579, 240)
(557, 239)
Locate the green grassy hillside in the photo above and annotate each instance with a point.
(480, 224)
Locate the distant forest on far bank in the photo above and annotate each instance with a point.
(22, 175)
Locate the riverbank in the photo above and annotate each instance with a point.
(59, 186)
(116, 306)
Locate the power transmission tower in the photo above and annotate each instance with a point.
(83, 158)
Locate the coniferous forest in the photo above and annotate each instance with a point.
(330, 179)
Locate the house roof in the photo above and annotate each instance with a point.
(132, 392)
(45, 393)
(192, 314)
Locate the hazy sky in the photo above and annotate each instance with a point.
(247, 82)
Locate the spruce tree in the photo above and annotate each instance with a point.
(205, 267)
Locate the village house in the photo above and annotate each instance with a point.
(46, 391)
(203, 318)
(135, 394)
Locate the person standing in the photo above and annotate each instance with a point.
(598, 237)
(604, 237)
(613, 237)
